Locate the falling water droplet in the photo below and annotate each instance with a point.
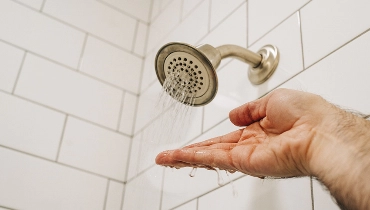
(219, 178)
(192, 172)
(235, 193)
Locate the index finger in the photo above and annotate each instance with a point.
(232, 137)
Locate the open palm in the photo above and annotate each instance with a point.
(276, 141)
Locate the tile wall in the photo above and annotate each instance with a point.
(79, 125)
(70, 74)
(324, 50)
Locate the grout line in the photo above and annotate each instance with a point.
(226, 17)
(338, 48)
(83, 73)
(212, 190)
(61, 138)
(79, 29)
(277, 25)
(42, 5)
(312, 196)
(69, 68)
(162, 185)
(115, 45)
(80, 61)
(106, 195)
(136, 30)
(120, 10)
(70, 115)
(247, 23)
(197, 204)
(150, 13)
(123, 195)
(300, 30)
(59, 163)
(19, 72)
(171, 31)
(120, 110)
(209, 16)
(128, 158)
(203, 115)
(199, 3)
(181, 10)
(25, 5)
(7, 208)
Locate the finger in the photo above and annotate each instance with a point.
(250, 112)
(214, 158)
(232, 137)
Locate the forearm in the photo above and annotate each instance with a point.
(342, 161)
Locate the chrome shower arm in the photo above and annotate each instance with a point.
(241, 53)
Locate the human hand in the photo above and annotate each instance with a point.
(281, 128)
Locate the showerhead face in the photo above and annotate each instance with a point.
(186, 74)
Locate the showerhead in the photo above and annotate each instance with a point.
(188, 73)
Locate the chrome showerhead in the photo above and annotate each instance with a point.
(188, 73)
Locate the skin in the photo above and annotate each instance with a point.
(290, 133)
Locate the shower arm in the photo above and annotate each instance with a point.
(245, 55)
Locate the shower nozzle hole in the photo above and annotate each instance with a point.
(196, 66)
(185, 59)
(191, 62)
(179, 58)
(201, 78)
(199, 72)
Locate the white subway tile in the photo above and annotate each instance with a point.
(96, 18)
(167, 20)
(322, 197)
(11, 60)
(342, 77)
(231, 31)
(135, 155)
(144, 192)
(69, 91)
(235, 88)
(221, 9)
(141, 39)
(149, 75)
(30, 128)
(263, 15)
(38, 33)
(36, 4)
(188, 7)
(111, 64)
(328, 24)
(192, 205)
(32, 183)
(165, 3)
(114, 197)
(156, 9)
(138, 8)
(178, 187)
(254, 193)
(94, 149)
(193, 28)
(128, 113)
(147, 109)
